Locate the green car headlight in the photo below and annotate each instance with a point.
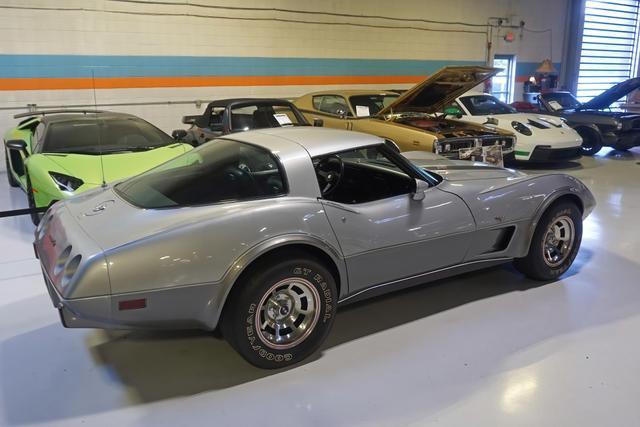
(522, 128)
(66, 182)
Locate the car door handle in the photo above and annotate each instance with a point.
(339, 206)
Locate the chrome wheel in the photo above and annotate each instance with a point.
(287, 313)
(558, 241)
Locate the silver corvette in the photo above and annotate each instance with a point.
(264, 233)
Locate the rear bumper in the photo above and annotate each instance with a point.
(548, 154)
(80, 312)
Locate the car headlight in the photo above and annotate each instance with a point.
(521, 128)
(619, 126)
(66, 182)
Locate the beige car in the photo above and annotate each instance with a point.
(415, 120)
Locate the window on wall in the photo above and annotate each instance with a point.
(609, 46)
(502, 83)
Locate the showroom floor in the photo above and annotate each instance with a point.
(485, 349)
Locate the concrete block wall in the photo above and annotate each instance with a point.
(55, 52)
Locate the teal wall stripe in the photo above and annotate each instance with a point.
(70, 66)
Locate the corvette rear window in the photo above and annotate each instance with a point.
(221, 170)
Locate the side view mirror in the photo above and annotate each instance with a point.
(179, 134)
(189, 120)
(318, 123)
(491, 121)
(17, 144)
(201, 121)
(453, 111)
(421, 187)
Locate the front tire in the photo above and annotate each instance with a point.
(555, 243)
(35, 216)
(10, 178)
(281, 312)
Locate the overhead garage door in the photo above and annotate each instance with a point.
(609, 45)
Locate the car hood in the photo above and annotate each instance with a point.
(460, 170)
(609, 96)
(116, 166)
(541, 119)
(436, 92)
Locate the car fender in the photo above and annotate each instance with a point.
(574, 189)
(590, 126)
(245, 260)
(37, 167)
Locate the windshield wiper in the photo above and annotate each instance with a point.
(131, 149)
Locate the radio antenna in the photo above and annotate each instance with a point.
(95, 105)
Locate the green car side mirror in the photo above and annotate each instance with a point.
(17, 144)
(453, 111)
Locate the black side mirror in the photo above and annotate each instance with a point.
(202, 122)
(189, 120)
(318, 123)
(17, 144)
(179, 134)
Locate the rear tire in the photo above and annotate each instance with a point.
(591, 141)
(10, 178)
(555, 243)
(281, 313)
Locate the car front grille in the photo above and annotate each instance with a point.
(451, 146)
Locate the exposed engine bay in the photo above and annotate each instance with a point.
(444, 127)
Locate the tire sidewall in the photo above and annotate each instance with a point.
(246, 338)
(35, 217)
(591, 144)
(563, 209)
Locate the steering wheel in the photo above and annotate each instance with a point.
(329, 171)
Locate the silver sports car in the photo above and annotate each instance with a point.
(264, 233)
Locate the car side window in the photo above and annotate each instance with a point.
(360, 176)
(37, 137)
(215, 121)
(332, 104)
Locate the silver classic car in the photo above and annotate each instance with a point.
(264, 233)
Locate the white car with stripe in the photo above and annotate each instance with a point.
(540, 137)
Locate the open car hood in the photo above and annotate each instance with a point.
(609, 96)
(436, 92)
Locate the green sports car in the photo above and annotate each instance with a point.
(57, 154)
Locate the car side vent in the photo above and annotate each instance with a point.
(538, 125)
(62, 260)
(502, 239)
(70, 269)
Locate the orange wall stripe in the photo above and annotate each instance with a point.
(15, 84)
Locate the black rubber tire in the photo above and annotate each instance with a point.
(237, 323)
(533, 265)
(591, 141)
(10, 178)
(35, 217)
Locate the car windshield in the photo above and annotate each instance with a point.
(561, 101)
(370, 105)
(484, 105)
(103, 136)
(260, 116)
(221, 170)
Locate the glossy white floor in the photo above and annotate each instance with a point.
(485, 349)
